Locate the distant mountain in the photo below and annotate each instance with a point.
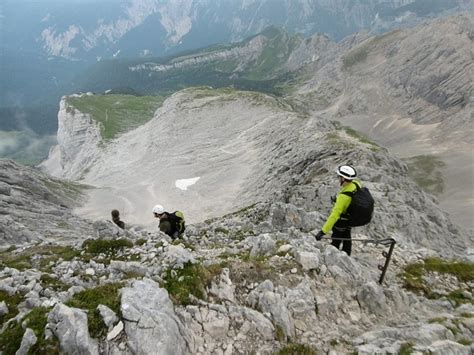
(35, 35)
(263, 63)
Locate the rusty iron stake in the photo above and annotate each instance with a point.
(387, 260)
(385, 242)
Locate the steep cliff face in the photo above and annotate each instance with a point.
(79, 141)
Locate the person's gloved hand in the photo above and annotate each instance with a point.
(334, 198)
(320, 235)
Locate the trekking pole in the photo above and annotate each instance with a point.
(388, 241)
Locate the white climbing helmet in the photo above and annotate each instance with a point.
(347, 172)
(158, 209)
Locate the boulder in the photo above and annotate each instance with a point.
(69, 325)
(151, 324)
(29, 339)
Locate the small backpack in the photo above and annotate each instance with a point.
(361, 209)
(177, 221)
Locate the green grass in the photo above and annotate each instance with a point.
(117, 114)
(465, 342)
(280, 333)
(10, 339)
(425, 171)
(439, 320)
(106, 246)
(360, 137)
(140, 241)
(37, 320)
(192, 279)
(336, 138)
(275, 53)
(296, 349)
(413, 277)
(89, 299)
(221, 230)
(464, 271)
(406, 348)
(69, 188)
(47, 281)
(56, 253)
(38, 256)
(12, 302)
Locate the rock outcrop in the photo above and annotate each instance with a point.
(78, 142)
(225, 301)
(410, 91)
(37, 207)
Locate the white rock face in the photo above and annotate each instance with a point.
(78, 143)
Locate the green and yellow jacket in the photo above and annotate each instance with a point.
(340, 206)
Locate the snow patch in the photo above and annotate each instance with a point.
(183, 184)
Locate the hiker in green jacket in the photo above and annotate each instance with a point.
(338, 219)
(170, 223)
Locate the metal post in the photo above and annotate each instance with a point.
(387, 260)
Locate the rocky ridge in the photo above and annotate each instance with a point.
(35, 207)
(247, 282)
(411, 92)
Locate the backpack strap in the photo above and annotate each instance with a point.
(351, 193)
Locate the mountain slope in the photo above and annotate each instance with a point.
(36, 207)
(410, 91)
(259, 63)
(232, 149)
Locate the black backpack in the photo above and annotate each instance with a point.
(361, 208)
(177, 222)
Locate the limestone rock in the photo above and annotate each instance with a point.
(372, 297)
(69, 325)
(29, 339)
(3, 308)
(150, 322)
(308, 260)
(223, 289)
(108, 316)
(448, 347)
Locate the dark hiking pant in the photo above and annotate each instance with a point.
(342, 231)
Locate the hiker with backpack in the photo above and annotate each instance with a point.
(172, 224)
(116, 219)
(353, 207)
